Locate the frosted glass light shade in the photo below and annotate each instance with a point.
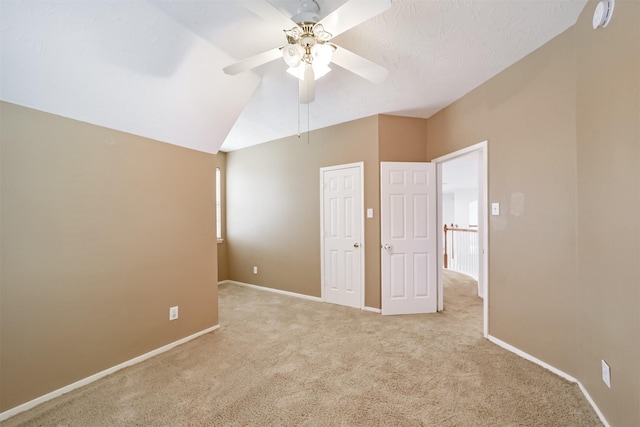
(321, 54)
(297, 71)
(318, 70)
(292, 54)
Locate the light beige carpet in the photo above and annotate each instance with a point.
(285, 361)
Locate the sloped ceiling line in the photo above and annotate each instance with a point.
(154, 68)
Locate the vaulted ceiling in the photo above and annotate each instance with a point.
(154, 68)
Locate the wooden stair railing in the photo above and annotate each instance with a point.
(453, 228)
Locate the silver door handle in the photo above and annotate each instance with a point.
(386, 246)
(356, 245)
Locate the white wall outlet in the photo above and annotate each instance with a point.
(495, 208)
(255, 270)
(173, 313)
(606, 374)
(369, 213)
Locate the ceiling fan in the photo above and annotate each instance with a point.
(308, 51)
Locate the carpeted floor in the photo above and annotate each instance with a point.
(285, 361)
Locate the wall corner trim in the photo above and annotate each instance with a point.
(264, 288)
(556, 371)
(59, 392)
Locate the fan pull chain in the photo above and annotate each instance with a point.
(308, 122)
(298, 102)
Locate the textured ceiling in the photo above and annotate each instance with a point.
(154, 68)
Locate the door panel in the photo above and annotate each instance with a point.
(421, 217)
(342, 222)
(421, 274)
(398, 280)
(397, 216)
(409, 239)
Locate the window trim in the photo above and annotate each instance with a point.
(219, 236)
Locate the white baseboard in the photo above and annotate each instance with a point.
(291, 294)
(59, 392)
(530, 358)
(556, 371)
(277, 291)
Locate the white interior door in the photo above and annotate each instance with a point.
(409, 237)
(342, 209)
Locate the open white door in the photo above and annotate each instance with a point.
(342, 209)
(409, 237)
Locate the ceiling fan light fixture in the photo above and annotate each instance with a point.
(299, 71)
(293, 54)
(320, 70)
(294, 33)
(320, 34)
(322, 53)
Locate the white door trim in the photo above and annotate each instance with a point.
(359, 165)
(483, 213)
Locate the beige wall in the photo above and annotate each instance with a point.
(274, 200)
(563, 132)
(102, 232)
(223, 271)
(527, 113)
(608, 135)
(273, 207)
(402, 139)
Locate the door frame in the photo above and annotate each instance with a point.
(483, 223)
(360, 166)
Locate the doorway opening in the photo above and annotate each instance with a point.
(462, 206)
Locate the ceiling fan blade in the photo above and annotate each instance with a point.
(253, 61)
(307, 87)
(352, 13)
(268, 12)
(358, 65)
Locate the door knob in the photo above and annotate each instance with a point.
(387, 246)
(356, 245)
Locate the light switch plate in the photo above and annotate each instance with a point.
(369, 213)
(606, 374)
(495, 208)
